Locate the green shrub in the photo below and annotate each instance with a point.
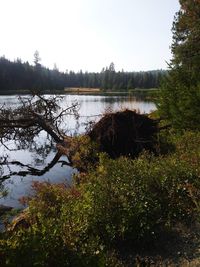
(58, 234)
(82, 152)
(178, 101)
(134, 199)
(118, 201)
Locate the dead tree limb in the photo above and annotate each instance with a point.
(34, 114)
(30, 170)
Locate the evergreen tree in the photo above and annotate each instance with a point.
(180, 90)
(18, 75)
(130, 84)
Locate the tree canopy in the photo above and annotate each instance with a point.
(180, 90)
(23, 76)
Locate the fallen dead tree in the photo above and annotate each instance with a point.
(124, 133)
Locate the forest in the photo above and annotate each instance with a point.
(19, 76)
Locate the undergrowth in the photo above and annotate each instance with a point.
(119, 202)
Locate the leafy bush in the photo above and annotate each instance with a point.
(58, 234)
(82, 152)
(118, 201)
(134, 199)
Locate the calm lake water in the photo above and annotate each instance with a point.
(91, 107)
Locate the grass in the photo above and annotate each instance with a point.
(143, 89)
(82, 90)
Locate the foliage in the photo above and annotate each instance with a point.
(140, 197)
(58, 235)
(180, 90)
(82, 151)
(186, 37)
(21, 76)
(179, 101)
(119, 201)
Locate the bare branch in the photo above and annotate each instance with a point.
(30, 170)
(34, 114)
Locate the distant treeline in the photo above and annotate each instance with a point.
(23, 76)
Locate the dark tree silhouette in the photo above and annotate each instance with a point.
(15, 76)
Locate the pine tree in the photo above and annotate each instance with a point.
(180, 91)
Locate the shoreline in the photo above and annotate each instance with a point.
(96, 91)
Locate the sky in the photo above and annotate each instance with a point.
(89, 34)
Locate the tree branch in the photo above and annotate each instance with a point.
(30, 170)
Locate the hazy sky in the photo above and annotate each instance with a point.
(88, 34)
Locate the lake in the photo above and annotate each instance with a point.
(91, 108)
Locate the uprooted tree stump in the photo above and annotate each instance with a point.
(125, 133)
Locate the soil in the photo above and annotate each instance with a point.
(178, 248)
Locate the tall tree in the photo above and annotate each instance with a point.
(180, 91)
(186, 37)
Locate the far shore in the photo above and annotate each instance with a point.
(79, 90)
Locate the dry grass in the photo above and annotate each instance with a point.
(81, 89)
